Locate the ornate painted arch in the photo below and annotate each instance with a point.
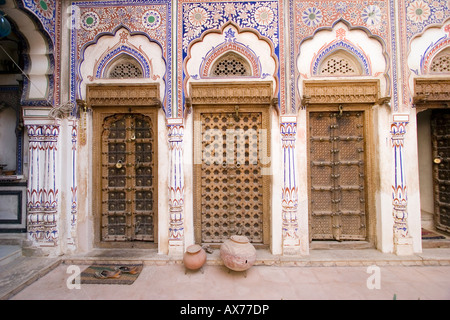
(231, 45)
(342, 42)
(36, 23)
(198, 19)
(127, 49)
(342, 45)
(151, 19)
(119, 51)
(433, 51)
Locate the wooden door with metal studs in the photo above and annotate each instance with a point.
(440, 128)
(337, 175)
(231, 188)
(128, 179)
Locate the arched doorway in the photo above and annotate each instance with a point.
(232, 151)
(125, 153)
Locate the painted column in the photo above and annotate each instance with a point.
(402, 239)
(42, 193)
(72, 221)
(176, 186)
(289, 197)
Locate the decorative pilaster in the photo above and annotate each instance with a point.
(289, 200)
(402, 239)
(176, 186)
(42, 193)
(72, 223)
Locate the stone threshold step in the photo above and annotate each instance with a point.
(9, 253)
(324, 258)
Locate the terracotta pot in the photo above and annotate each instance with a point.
(238, 253)
(194, 257)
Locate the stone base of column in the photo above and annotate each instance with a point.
(403, 246)
(291, 246)
(33, 248)
(176, 248)
(292, 250)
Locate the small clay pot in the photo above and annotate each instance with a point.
(237, 253)
(194, 257)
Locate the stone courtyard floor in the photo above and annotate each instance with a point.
(170, 282)
(323, 275)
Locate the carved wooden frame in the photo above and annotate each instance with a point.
(105, 101)
(146, 95)
(431, 93)
(341, 92)
(333, 96)
(226, 93)
(223, 97)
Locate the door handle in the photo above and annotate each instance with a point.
(341, 110)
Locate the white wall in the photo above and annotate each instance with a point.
(302, 172)
(8, 139)
(411, 157)
(425, 168)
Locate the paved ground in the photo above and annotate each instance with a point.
(170, 282)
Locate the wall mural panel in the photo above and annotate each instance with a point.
(415, 18)
(255, 30)
(197, 18)
(45, 11)
(307, 18)
(152, 19)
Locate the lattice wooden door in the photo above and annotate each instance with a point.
(337, 176)
(128, 182)
(231, 186)
(440, 125)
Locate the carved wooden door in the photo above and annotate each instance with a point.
(337, 176)
(231, 186)
(440, 125)
(128, 179)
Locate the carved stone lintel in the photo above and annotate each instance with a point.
(62, 111)
(383, 100)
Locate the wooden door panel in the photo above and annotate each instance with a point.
(337, 176)
(440, 125)
(127, 178)
(231, 198)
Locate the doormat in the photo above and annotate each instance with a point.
(430, 235)
(88, 276)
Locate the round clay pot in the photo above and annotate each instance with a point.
(238, 253)
(194, 257)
